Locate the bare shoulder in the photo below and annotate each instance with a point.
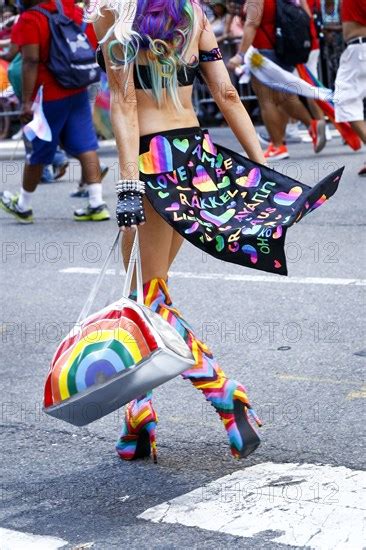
(200, 17)
(30, 17)
(103, 23)
(207, 40)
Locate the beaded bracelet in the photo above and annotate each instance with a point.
(130, 185)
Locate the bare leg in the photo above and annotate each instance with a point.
(159, 244)
(292, 105)
(177, 242)
(276, 107)
(359, 127)
(274, 120)
(315, 110)
(90, 166)
(32, 176)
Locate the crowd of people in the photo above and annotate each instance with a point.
(67, 109)
(329, 21)
(337, 31)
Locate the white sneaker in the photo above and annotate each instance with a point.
(292, 133)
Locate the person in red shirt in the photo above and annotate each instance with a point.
(350, 84)
(275, 106)
(66, 110)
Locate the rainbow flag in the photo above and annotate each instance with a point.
(327, 106)
(38, 126)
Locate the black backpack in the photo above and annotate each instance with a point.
(71, 58)
(293, 36)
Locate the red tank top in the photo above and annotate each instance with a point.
(266, 32)
(355, 11)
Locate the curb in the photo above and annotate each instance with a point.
(14, 149)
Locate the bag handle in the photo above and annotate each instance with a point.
(134, 261)
(46, 13)
(60, 7)
(49, 14)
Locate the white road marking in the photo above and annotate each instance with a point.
(305, 505)
(16, 540)
(232, 277)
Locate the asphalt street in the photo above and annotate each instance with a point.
(298, 347)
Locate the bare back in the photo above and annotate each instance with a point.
(351, 29)
(155, 118)
(151, 116)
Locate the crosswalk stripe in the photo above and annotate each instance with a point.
(272, 279)
(17, 540)
(304, 505)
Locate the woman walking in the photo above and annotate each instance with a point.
(177, 184)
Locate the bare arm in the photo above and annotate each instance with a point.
(228, 21)
(305, 7)
(228, 100)
(30, 57)
(30, 62)
(253, 19)
(254, 14)
(123, 106)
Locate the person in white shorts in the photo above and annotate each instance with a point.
(350, 85)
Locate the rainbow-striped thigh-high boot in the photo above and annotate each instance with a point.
(228, 397)
(137, 438)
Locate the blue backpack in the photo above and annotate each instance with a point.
(71, 58)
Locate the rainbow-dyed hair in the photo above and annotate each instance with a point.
(161, 28)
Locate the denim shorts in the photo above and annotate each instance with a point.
(71, 124)
(271, 54)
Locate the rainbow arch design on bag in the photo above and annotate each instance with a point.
(105, 344)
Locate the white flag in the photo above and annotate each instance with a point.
(273, 76)
(38, 127)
